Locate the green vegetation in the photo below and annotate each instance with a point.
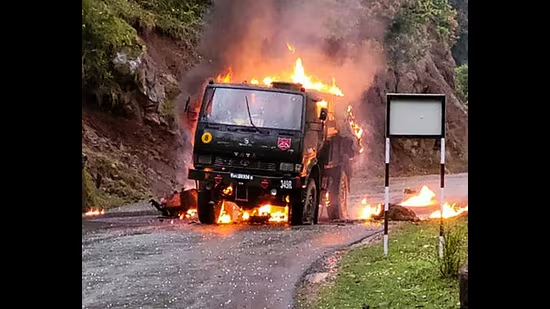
(93, 198)
(411, 275)
(408, 37)
(460, 48)
(109, 26)
(120, 184)
(461, 80)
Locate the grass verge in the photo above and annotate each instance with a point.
(410, 277)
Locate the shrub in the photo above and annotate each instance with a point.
(461, 79)
(454, 251)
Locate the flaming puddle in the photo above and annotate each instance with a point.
(267, 213)
(94, 212)
(425, 198)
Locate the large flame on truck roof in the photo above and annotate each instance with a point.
(296, 75)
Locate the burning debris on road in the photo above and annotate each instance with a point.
(405, 210)
(94, 212)
(182, 205)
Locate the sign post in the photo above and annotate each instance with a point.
(410, 115)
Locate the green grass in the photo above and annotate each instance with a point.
(409, 277)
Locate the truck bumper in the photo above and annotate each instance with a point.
(247, 179)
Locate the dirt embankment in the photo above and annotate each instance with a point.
(138, 155)
(434, 73)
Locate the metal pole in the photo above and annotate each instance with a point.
(386, 196)
(442, 197)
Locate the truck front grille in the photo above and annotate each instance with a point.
(245, 163)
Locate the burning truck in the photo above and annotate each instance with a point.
(273, 151)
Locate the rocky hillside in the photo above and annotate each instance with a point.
(137, 58)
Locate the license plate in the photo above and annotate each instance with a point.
(286, 184)
(241, 176)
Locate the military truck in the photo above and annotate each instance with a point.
(280, 145)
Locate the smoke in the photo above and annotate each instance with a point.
(334, 38)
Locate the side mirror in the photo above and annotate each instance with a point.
(323, 114)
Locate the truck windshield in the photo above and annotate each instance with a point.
(268, 109)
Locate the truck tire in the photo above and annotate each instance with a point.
(305, 206)
(338, 209)
(205, 210)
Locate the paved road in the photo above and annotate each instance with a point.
(141, 262)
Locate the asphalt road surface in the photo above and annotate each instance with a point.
(141, 262)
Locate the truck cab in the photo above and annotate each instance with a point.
(259, 145)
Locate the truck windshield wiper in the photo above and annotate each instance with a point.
(250, 116)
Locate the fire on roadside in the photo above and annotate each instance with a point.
(449, 210)
(369, 211)
(426, 198)
(95, 212)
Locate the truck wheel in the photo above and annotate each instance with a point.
(205, 210)
(305, 210)
(338, 209)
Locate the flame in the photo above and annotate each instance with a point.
(327, 199)
(189, 214)
(290, 48)
(355, 128)
(276, 213)
(245, 216)
(424, 198)
(449, 211)
(298, 75)
(94, 212)
(224, 217)
(225, 78)
(368, 211)
(228, 190)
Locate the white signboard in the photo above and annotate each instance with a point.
(415, 115)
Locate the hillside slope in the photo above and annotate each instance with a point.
(133, 131)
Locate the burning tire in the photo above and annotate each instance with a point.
(339, 188)
(305, 207)
(205, 210)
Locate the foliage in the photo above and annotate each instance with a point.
(109, 26)
(408, 36)
(407, 278)
(454, 239)
(461, 79)
(460, 48)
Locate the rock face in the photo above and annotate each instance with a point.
(433, 73)
(463, 286)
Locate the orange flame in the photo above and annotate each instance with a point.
(424, 198)
(448, 211)
(298, 75)
(228, 190)
(368, 211)
(290, 48)
(356, 129)
(189, 214)
(94, 212)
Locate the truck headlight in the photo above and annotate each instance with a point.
(287, 167)
(298, 168)
(204, 159)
